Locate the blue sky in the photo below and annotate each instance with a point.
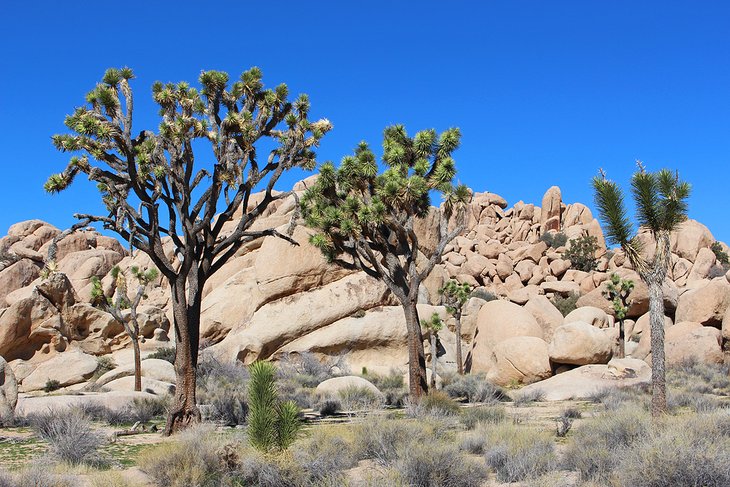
(545, 93)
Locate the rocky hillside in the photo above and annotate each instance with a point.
(275, 298)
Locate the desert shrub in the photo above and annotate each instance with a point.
(691, 451)
(257, 470)
(582, 253)
(323, 457)
(51, 385)
(309, 371)
(222, 386)
(357, 398)
(475, 388)
(164, 353)
(517, 453)
(554, 240)
(435, 404)
(109, 479)
(598, 445)
(697, 377)
(193, 459)
(69, 434)
(482, 293)
(379, 439)
(699, 403)
(523, 398)
(571, 413)
(113, 417)
(439, 464)
(144, 409)
(566, 304)
(329, 406)
(391, 385)
(472, 417)
(720, 254)
(473, 442)
(37, 475)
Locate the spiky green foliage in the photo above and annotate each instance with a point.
(271, 423)
(618, 291)
(720, 254)
(153, 187)
(455, 294)
(582, 253)
(365, 220)
(434, 324)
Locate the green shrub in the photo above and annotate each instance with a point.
(518, 453)
(104, 364)
(472, 417)
(438, 464)
(599, 444)
(51, 385)
(164, 353)
(720, 254)
(582, 253)
(475, 388)
(554, 240)
(271, 423)
(565, 304)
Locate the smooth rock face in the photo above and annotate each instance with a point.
(335, 385)
(8, 392)
(151, 386)
(152, 368)
(589, 314)
(546, 314)
(706, 305)
(68, 368)
(115, 401)
(692, 341)
(580, 343)
(689, 238)
(520, 360)
(550, 210)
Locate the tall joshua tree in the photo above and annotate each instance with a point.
(455, 296)
(661, 206)
(153, 188)
(366, 221)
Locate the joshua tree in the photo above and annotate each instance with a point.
(115, 306)
(366, 221)
(660, 207)
(162, 202)
(455, 296)
(434, 326)
(617, 291)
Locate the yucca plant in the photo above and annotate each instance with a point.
(618, 291)
(455, 295)
(271, 423)
(365, 221)
(434, 325)
(661, 205)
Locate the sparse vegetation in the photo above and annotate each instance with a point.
(164, 353)
(69, 434)
(51, 385)
(565, 304)
(554, 239)
(581, 253)
(720, 255)
(474, 388)
(518, 453)
(483, 415)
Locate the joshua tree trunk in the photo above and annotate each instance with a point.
(621, 339)
(137, 365)
(418, 385)
(457, 329)
(433, 359)
(656, 320)
(186, 315)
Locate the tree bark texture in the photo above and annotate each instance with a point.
(658, 376)
(459, 358)
(621, 339)
(418, 385)
(433, 360)
(186, 315)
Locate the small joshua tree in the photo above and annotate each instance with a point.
(434, 325)
(617, 291)
(271, 423)
(455, 295)
(365, 221)
(661, 206)
(114, 307)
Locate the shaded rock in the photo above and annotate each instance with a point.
(589, 314)
(8, 392)
(550, 210)
(68, 368)
(520, 360)
(580, 343)
(706, 305)
(546, 314)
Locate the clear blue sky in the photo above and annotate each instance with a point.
(545, 92)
